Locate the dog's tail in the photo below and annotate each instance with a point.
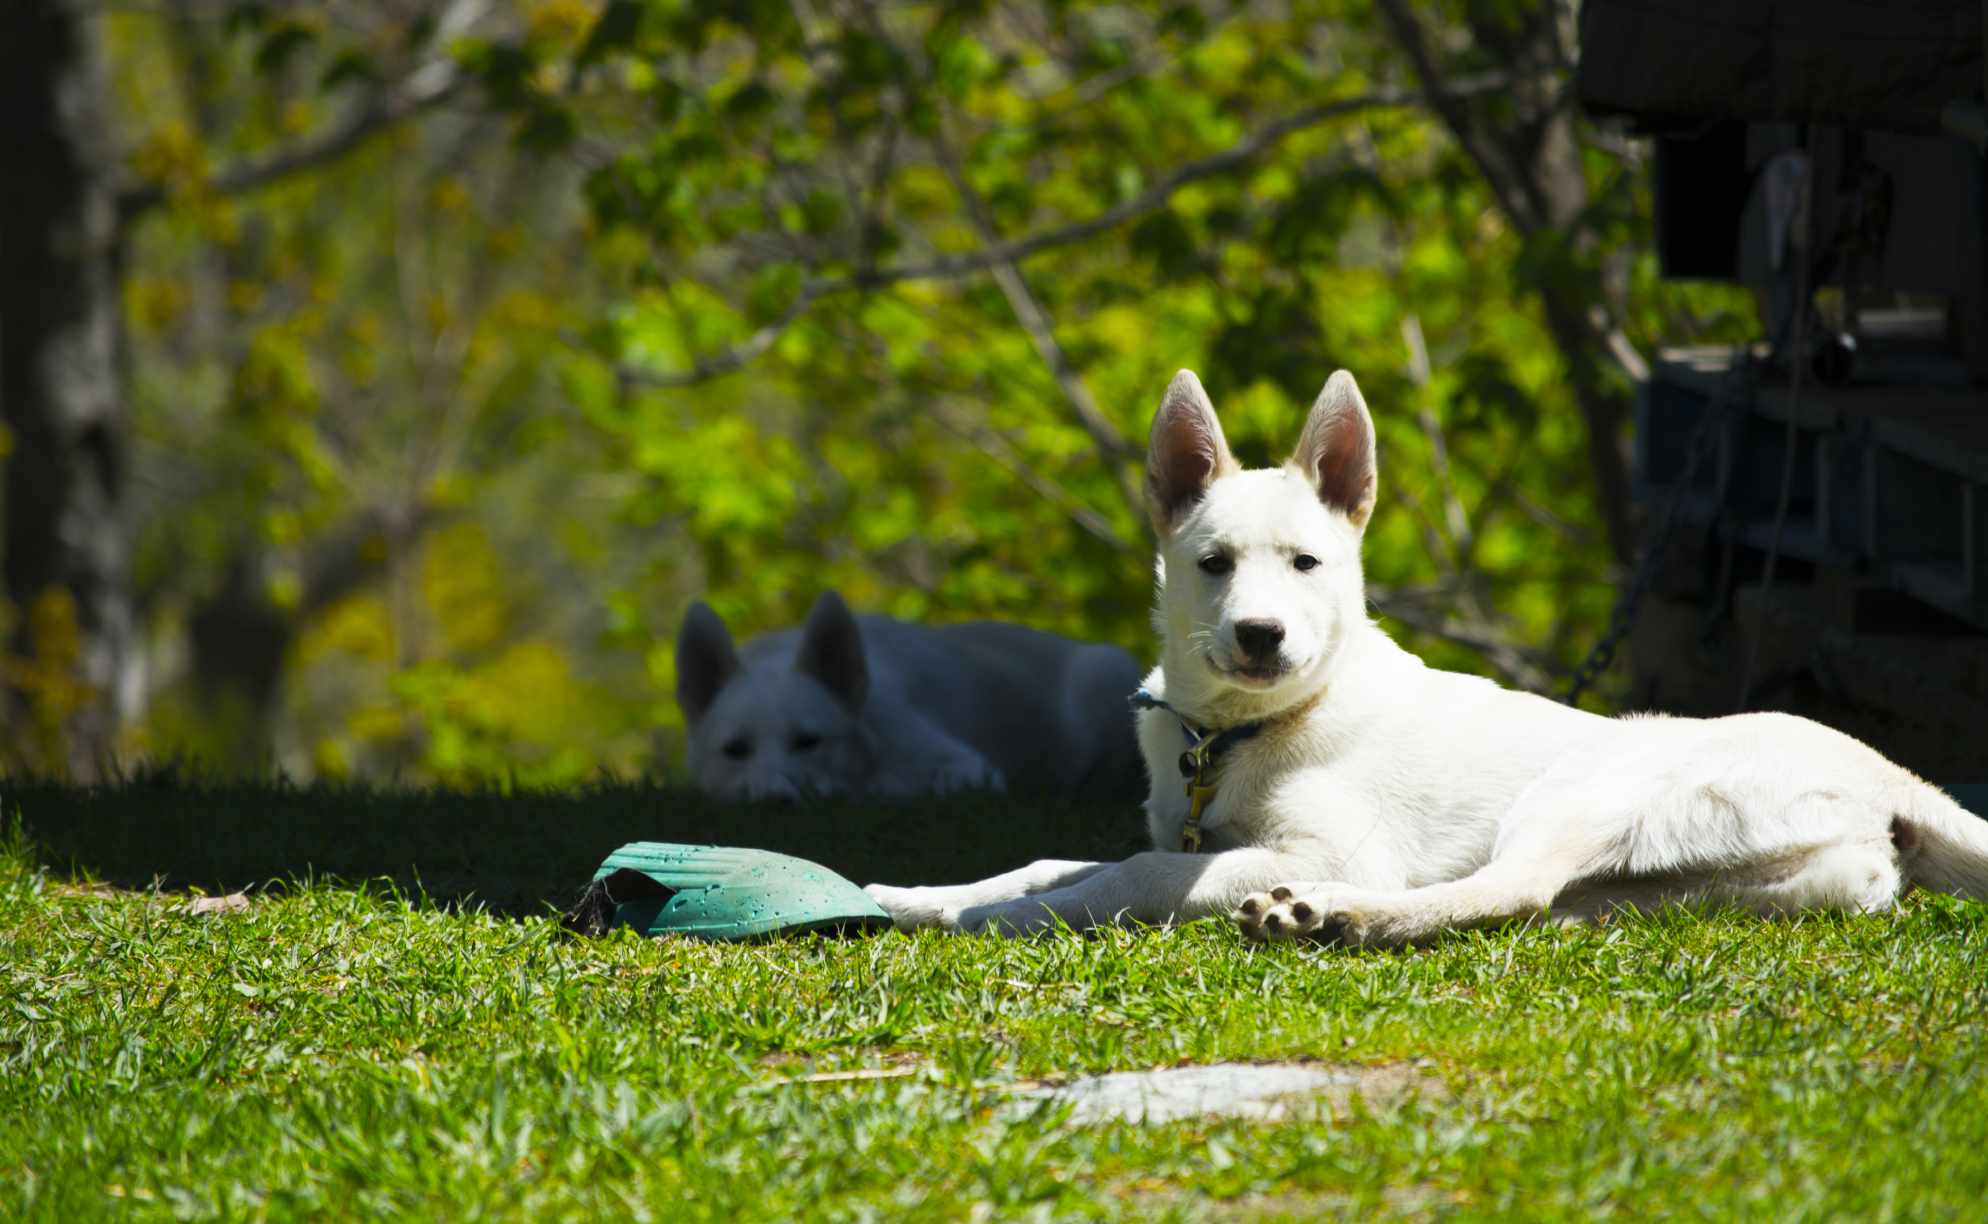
(1941, 845)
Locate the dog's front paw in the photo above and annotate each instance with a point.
(913, 909)
(1010, 919)
(1249, 915)
(1283, 915)
(967, 776)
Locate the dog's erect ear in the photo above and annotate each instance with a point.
(1335, 453)
(1185, 452)
(705, 660)
(831, 651)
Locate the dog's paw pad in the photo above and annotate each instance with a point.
(1248, 916)
(1347, 928)
(1315, 919)
(1279, 925)
(1283, 915)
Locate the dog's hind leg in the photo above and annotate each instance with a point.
(1847, 876)
(1511, 887)
(1546, 843)
(1768, 847)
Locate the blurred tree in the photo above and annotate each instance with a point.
(64, 216)
(359, 536)
(1526, 146)
(241, 85)
(66, 554)
(468, 342)
(912, 265)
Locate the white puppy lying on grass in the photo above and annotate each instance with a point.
(872, 705)
(1343, 790)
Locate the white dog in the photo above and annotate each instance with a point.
(1346, 791)
(872, 705)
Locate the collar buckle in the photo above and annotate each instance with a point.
(1199, 765)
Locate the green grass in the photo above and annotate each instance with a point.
(357, 1052)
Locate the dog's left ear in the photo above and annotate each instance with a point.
(831, 651)
(1335, 452)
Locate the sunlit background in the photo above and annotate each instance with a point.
(463, 344)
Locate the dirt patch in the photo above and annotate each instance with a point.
(1261, 1092)
(233, 903)
(786, 1068)
(69, 888)
(197, 904)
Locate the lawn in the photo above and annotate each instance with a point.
(393, 1028)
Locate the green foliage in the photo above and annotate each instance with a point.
(347, 397)
(803, 160)
(49, 685)
(716, 320)
(335, 1052)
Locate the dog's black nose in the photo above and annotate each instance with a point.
(1259, 638)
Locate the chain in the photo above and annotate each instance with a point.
(1622, 618)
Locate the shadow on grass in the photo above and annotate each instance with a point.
(518, 853)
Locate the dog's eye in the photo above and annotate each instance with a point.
(1305, 562)
(738, 749)
(806, 741)
(1216, 563)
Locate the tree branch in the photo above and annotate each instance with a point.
(1112, 447)
(1447, 100)
(432, 85)
(986, 258)
(1507, 656)
(1540, 185)
(1156, 196)
(996, 447)
(727, 361)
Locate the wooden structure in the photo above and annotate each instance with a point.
(1877, 617)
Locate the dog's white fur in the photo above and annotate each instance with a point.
(872, 705)
(1385, 802)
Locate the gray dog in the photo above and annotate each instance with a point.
(872, 705)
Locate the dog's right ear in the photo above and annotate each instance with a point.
(705, 660)
(831, 651)
(1185, 453)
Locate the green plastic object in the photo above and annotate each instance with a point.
(729, 893)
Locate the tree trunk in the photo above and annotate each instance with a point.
(60, 386)
(1527, 152)
(241, 638)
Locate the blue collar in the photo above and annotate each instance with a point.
(1203, 746)
(1199, 764)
